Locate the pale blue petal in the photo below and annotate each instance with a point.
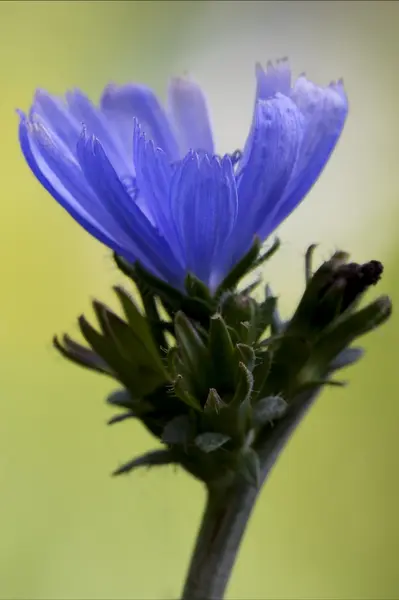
(97, 124)
(275, 79)
(268, 160)
(204, 208)
(324, 111)
(56, 116)
(121, 104)
(189, 114)
(153, 178)
(95, 222)
(144, 241)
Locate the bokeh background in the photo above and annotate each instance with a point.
(326, 525)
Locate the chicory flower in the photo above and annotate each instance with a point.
(145, 180)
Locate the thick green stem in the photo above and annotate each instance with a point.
(228, 511)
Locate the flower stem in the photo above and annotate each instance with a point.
(228, 511)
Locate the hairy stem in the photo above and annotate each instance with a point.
(228, 511)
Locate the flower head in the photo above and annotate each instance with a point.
(146, 182)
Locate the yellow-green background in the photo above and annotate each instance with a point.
(326, 525)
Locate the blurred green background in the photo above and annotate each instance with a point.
(326, 525)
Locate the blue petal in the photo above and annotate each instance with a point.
(122, 104)
(96, 124)
(204, 208)
(144, 241)
(324, 111)
(153, 177)
(56, 116)
(268, 160)
(276, 79)
(95, 222)
(189, 114)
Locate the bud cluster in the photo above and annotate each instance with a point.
(211, 376)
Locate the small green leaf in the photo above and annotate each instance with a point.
(150, 459)
(269, 409)
(209, 442)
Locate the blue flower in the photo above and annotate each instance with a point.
(146, 181)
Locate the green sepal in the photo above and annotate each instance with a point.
(309, 313)
(247, 291)
(246, 355)
(213, 403)
(244, 386)
(245, 333)
(318, 383)
(193, 353)
(135, 271)
(309, 262)
(349, 327)
(155, 458)
(122, 417)
(183, 394)
(150, 373)
(211, 441)
(118, 333)
(175, 365)
(267, 254)
(197, 289)
(107, 351)
(290, 355)
(123, 399)
(240, 404)
(262, 369)
(265, 316)
(174, 300)
(231, 281)
(221, 354)
(142, 379)
(276, 322)
(81, 355)
(139, 325)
